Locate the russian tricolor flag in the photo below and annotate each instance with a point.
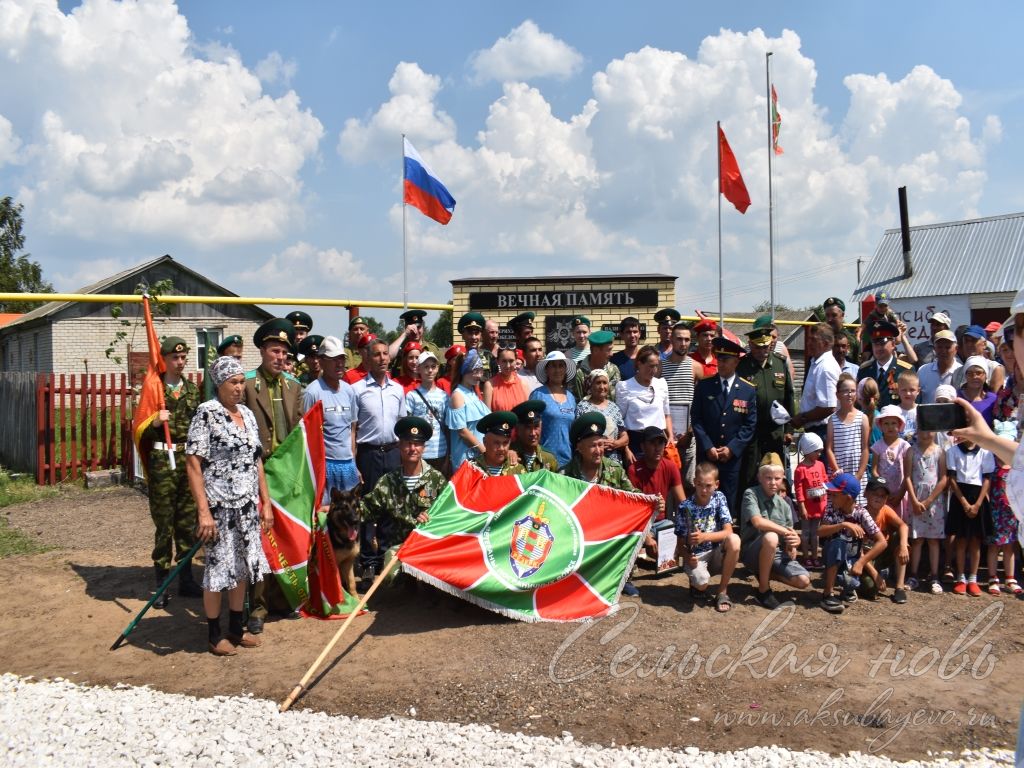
(422, 188)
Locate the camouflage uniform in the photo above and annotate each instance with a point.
(395, 508)
(610, 474)
(170, 501)
(544, 460)
(506, 468)
(583, 369)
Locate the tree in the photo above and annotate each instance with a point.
(440, 332)
(18, 274)
(766, 306)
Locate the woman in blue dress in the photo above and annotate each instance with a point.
(466, 408)
(554, 372)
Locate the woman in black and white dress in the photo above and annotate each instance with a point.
(225, 474)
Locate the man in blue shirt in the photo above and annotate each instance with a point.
(339, 401)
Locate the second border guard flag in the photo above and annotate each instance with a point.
(423, 190)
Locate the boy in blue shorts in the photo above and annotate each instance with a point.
(841, 533)
(705, 541)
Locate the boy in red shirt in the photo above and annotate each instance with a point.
(811, 495)
(893, 561)
(657, 475)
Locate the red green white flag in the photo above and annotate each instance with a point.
(297, 547)
(534, 547)
(776, 122)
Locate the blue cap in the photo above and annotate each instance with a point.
(881, 297)
(844, 483)
(976, 331)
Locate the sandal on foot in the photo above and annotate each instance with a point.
(722, 603)
(245, 641)
(993, 587)
(1013, 587)
(223, 647)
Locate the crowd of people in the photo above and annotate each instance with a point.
(833, 476)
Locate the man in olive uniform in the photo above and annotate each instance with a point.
(275, 399)
(401, 498)
(308, 370)
(231, 346)
(599, 357)
(527, 443)
(471, 326)
(497, 431)
(522, 327)
(835, 316)
(768, 371)
(170, 501)
(358, 327)
(415, 330)
(303, 324)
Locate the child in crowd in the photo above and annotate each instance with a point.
(976, 389)
(811, 497)
(1002, 528)
(892, 563)
(868, 396)
(843, 530)
(705, 542)
(909, 387)
(889, 453)
(924, 469)
(969, 469)
(848, 432)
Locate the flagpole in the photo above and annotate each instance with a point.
(405, 252)
(771, 202)
(161, 404)
(721, 308)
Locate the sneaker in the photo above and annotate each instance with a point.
(767, 600)
(629, 590)
(832, 604)
(899, 596)
(913, 584)
(960, 588)
(973, 589)
(936, 588)
(850, 597)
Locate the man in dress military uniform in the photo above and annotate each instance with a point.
(401, 498)
(835, 316)
(885, 367)
(308, 370)
(231, 346)
(522, 327)
(302, 323)
(666, 319)
(528, 432)
(275, 399)
(724, 417)
(497, 431)
(170, 501)
(769, 373)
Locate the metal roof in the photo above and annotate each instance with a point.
(955, 257)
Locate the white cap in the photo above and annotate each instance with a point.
(945, 392)
(331, 346)
(892, 412)
(941, 317)
(1018, 303)
(425, 355)
(809, 443)
(779, 414)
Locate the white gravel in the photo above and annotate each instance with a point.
(59, 723)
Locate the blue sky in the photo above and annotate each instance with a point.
(253, 141)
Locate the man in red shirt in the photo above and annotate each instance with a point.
(657, 475)
(706, 330)
(352, 375)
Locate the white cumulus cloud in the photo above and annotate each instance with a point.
(524, 54)
(275, 69)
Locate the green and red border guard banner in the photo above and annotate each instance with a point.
(298, 547)
(534, 547)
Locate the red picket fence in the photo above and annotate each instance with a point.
(84, 423)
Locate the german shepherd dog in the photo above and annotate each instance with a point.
(343, 528)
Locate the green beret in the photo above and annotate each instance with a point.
(764, 321)
(413, 429)
(300, 320)
(229, 341)
(471, 320)
(723, 346)
(597, 338)
(832, 301)
(311, 344)
(666, 314)
(581, 320)
(498, 423)
(275, 329)
(523, 318)
(412, 316)
(358, 320)
(529, 412)
(173, 344)
(590, 424)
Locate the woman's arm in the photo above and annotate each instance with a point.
(266, 506)
(865, 436)
(207, 530)
(830, 456)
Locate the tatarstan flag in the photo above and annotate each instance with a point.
(297, 547)
(534, 547)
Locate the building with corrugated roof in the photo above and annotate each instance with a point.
(968, 269)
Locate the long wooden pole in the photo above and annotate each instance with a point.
(337, 636)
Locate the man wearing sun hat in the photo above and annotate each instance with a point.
(925, 350)
(884, 367)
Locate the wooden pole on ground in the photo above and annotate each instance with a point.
(337, 636)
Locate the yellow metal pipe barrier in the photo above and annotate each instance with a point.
(124, 298)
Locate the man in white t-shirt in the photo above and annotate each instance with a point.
(818, 400)
(942, 369)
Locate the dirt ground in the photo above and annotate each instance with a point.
(939, 673)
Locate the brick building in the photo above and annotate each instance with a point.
(72, 337)
(605, 299)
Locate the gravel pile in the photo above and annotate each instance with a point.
(60, 723)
